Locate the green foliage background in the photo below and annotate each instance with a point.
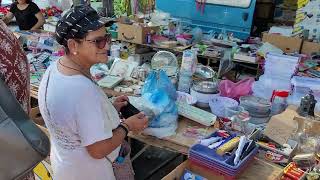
(124, 6)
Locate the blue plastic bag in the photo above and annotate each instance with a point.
(158, 80)
(160, 96)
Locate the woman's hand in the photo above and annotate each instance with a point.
(137, 122)
(120, 102)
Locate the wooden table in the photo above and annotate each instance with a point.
(180, 143)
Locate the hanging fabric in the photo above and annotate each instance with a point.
(200, 5)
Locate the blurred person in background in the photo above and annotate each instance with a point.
(14, 70)
(27, 14)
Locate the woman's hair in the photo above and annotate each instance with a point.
(27, 1)
(76, 38)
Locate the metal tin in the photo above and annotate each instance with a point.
(206, 87)
(204, 72)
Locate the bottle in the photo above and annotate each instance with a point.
(148, 40)
(279, 101)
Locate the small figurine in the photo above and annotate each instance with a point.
(307, 105)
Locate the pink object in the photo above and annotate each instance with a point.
(184, 36)
(233, 90)
(200, 4)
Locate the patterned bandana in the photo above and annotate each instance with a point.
(78, 21)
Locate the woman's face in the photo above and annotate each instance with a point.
(22, 1)
(93, 48)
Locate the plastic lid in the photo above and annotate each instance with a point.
(280, 93)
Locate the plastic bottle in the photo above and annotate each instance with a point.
(279, 101)
(148, 40)
(185, 80)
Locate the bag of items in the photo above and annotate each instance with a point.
(23, 144)
(158, 101)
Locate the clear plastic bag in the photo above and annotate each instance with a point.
(233, 90)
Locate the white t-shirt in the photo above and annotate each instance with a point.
(80, 115)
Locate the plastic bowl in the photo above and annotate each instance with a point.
(231, 111)
(185, 97)
(218, 105)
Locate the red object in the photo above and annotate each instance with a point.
(292, 172)
(220, 173)
(14, 67)
(51, 11)
(283, 94)
(223, 134)
(4, 10)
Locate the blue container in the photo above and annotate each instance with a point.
(224, 164)
(237, 20)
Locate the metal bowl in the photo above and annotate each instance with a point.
(206, 87)
(204, 72)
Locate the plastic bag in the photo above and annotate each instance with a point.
(159, 81)
(159, 96)
(233, 90)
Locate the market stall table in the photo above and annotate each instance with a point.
(179, 143)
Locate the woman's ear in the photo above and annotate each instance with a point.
(73, 46)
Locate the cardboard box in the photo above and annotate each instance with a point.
(134, 19)
(286, 44)
(135, 33)
(178, 172)
(310, 47)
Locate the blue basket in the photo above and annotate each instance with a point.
(209, 158)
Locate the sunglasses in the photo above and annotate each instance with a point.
(101, 42)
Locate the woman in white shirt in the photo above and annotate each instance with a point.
(84, 126)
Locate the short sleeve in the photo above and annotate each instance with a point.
(91, 118)
(13, 8)
(34, 8)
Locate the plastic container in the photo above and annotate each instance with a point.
(224, 164)
(218, 105)
(280, 66)
(231, 111)
(278, 74)
(202, 98)
(185, 97)
(275, 82)
(255, 104)
(280, 58)
(185, 81)
(279, 101)
(306, 82)
(115, 51)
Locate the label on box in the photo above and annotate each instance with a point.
(275, 157)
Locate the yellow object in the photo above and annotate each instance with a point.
(42, 172)
(124, 55)
(300, 17)
(297, 29)
(302, 3)
(228, 146)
